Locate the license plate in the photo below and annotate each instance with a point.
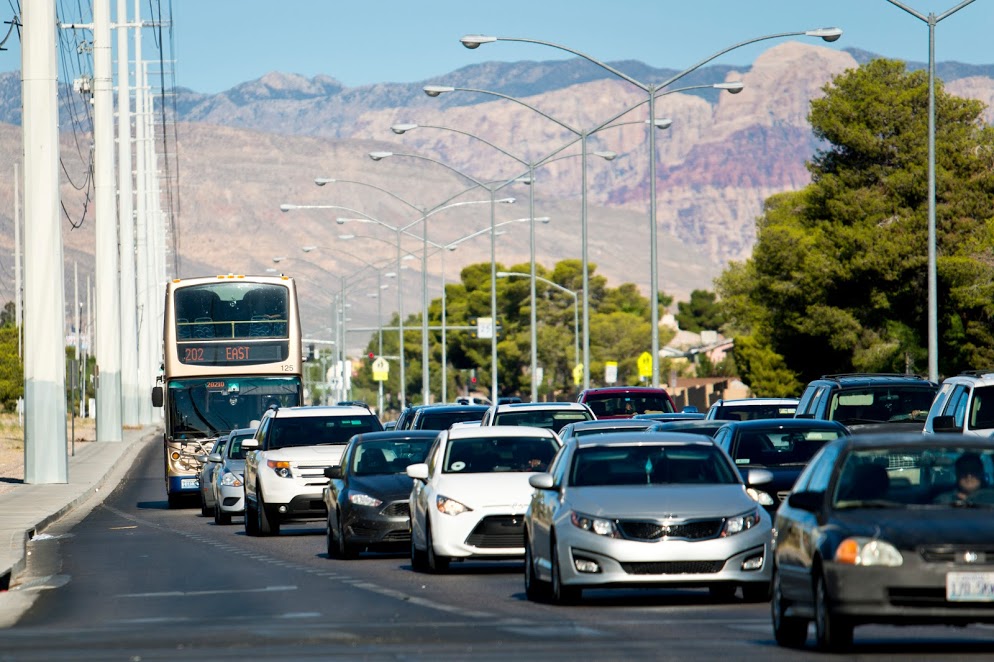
(970, 586)
(189, 483)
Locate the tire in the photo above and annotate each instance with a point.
(346, 550)
(722, 592)
(251, 518)
(536, 590)
(756, 592)
(220, 517)
(562, 594)
(437, 564)
(204, 512)
(419, 558)
(269, 523)
(833, 632)
(330, 540)
(789, 631)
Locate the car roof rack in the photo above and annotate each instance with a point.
(872, 374)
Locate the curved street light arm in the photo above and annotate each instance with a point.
(321, 181)
(503, 151)
(508, 98)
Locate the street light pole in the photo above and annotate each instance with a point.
(933, 325)
(475, 41)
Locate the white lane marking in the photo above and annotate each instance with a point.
(175, 594)
(430, 604)
(301, 614)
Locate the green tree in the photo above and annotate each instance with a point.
(701, 313)
(838, 277)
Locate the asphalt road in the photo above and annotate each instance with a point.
(133, 580)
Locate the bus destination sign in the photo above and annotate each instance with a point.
(231, 353)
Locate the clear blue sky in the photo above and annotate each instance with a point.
(221, 43)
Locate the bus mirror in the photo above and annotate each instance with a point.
(156, 396)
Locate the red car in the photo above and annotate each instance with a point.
(626, 401)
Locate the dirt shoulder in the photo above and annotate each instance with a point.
(82, 430)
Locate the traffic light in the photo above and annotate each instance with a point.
(371, 356)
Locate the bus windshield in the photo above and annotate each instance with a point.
(205, 408)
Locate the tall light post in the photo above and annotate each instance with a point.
(492, 188)
(933, 307)
(652, 91)
(576, 307)
(425, 214)
(401, 129)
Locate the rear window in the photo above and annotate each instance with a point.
(754, 412)
(779, 448)
(554, 420)
(318, 430)
(881, 404)
(443, 420)
(627, 404)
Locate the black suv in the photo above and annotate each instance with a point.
(869, 402)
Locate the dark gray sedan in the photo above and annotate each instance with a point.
(886, 528)
(367, 494)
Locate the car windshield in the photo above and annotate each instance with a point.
(551, 419)
(651, 465)
(778, 447)
(881, 404)
(916, 477)
(499, 454)
(319, 430)
(388, 456)
(627, 404)
(751, 412)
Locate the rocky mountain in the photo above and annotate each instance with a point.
(239, 154)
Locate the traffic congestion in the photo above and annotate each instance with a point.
(835, 526)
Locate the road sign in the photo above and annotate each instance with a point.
(381, 369)
(610, 372)
(577, 374)
(645, 364)
(484, 327)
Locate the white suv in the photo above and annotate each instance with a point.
(964, 403)
(550, 415)
(285, 462)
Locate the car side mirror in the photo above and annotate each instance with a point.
(944, 424)
(156, 396)
(201, 458)
(333, 471)
(542, 481)
(418, 471)
(250, 444)
(758, 477)
(214, 457)
(809, 501)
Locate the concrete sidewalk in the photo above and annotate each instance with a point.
(93, 472)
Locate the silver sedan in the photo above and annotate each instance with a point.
(645, 509)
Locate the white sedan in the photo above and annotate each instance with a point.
(469, 496)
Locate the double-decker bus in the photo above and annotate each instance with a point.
(231, 349)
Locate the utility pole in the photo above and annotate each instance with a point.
(45, 450)
(18, 318)
(131, 412)
(108, 345)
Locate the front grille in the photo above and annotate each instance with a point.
(673, 567)
(965, 555)
(498, 531)
(397, 509)
(648, 530)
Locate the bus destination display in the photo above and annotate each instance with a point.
(232, 353)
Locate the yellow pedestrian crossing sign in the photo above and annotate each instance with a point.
(577, 374)
(645, 364)
(381, 369)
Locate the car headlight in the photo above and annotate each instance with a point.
(282, 468)
(597, 525)
(740, 523)
(360, 499)
(867, 552)
(761, 497)
(450, 506)
(229, 479)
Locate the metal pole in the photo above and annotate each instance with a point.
(585, 260)
(129, 328)
(534, 315)
(425, 357)
(379, 324)
(445, 358)
(18, 304)
(400, 325)
(653, 259)
(493, 296)
(108, 350)
(45, 454)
